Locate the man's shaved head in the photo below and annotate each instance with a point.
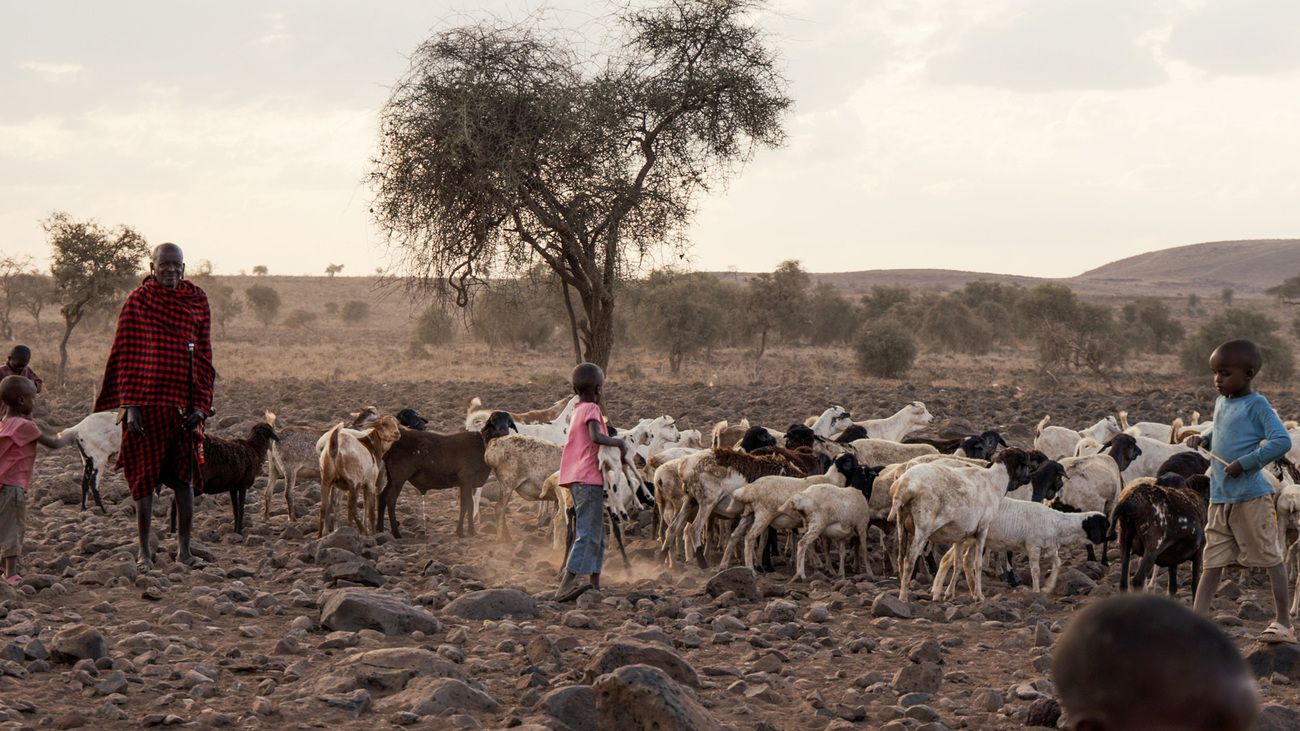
(168, 265)
(167, 247)
(1143, 662)
(1242, 353)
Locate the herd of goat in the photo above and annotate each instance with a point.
(826, 480)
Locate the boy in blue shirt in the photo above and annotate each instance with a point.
(1242, 528)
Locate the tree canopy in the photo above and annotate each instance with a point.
(91, 265)
(509, 144)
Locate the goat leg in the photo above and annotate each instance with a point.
(1173, 581)
(618, 538)
(769, 549)
(1013, 580)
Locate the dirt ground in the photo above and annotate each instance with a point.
(239, 643)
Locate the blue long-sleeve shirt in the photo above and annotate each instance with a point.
(1240, 425)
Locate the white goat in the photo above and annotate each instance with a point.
(556, 430)
(837, 513)
(884, 452)
(895, 428)
(1057, 441)
(950, 502)
(1148, 429)
(99, 439)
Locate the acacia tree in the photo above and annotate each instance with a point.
(12, 269)
(92, 266)
(506, 145)
(35, 290)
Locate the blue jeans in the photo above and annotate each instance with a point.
(588, 552)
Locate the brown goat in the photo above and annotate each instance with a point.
(1163, 521)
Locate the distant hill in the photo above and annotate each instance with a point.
(1249, 267)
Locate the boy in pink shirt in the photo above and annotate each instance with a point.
(19, 436)
(580, 472)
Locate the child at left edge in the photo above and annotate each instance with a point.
(19, 436)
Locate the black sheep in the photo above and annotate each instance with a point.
(231, 465)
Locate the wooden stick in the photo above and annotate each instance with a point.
(1214, 456)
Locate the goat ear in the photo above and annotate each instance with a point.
(1003, 442)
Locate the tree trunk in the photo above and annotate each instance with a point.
(675, 357)
(762, 347)
(573, 323)
(68, 324)
(600, 325)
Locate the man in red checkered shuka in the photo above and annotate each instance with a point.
(160, 373)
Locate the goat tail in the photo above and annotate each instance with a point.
(1123, 421)
(1043, 424)
(1174, 428)
(270, 418)
(331, 452)
(896, 504)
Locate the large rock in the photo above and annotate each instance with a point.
(493, 604)
(432, 696)
(644, 698)
(355, 571)
(574, 705)
(1275, 657)
(918, 678)
(1044, 712)
(739, 579)
(381, 671)
(888, 605)
(1274, 717)
(622, 652)
(78, 642)
(1074, 581)
(353, 610)
(345, 538)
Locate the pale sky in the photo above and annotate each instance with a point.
(1038, 137)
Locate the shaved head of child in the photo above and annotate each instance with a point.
(587, 377)
(14, 388)
(1145, 662)
(1244, 354)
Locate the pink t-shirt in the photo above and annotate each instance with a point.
(579, 462)
(18, 451)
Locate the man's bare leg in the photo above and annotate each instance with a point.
(144, 523)
(185, 516)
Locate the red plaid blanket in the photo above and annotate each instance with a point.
(162, 351)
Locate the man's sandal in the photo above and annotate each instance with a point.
(1275, 633)
(195, 562)
(14, 580)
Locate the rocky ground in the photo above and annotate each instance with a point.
(434, 631)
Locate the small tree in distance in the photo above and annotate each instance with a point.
(264, 302)
(355, 311)
(333, 269)
(260, 270)
(92, 266)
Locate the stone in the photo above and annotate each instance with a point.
(623, 652)
(1042, 636)
(927, 651)
(1043, 712)
(494, 605)
(541, 650)
(917, 678)
(352, 610)
(818, 614)
(768, 663)
(381, 671)
(740, 580)
(575, 706)
(114, 682)
(345, 538)
(780, 610)
(71, 719)
(888, 605)
(644, 697)
(78, 642)
(578, 620)
(357, 572)
(1074, 581)
(1276, 717)
(1253, 612)
(1275, 657)
(988, 700)
(433, 696)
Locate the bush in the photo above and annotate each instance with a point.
(885, 349)
(1239, 323)
(953, 326)
(264, 301)
(355, 311)
(835, 318)
(331, 308)
(299, 319)
(1151, 327)
(434, 327)
(521, 316)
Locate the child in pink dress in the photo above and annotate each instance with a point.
(19, 436)
(580, 473)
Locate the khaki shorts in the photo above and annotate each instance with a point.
(1243, 534)
(13, 520)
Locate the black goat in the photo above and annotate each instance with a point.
(756, 437)
(231, 466)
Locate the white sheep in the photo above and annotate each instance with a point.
(1031, 527)
(950, 502)
(1149, 429)
(556, 430)
(521, 465)
(1154, 453)
(836, 513)
(884, 452)
(1057, 442)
